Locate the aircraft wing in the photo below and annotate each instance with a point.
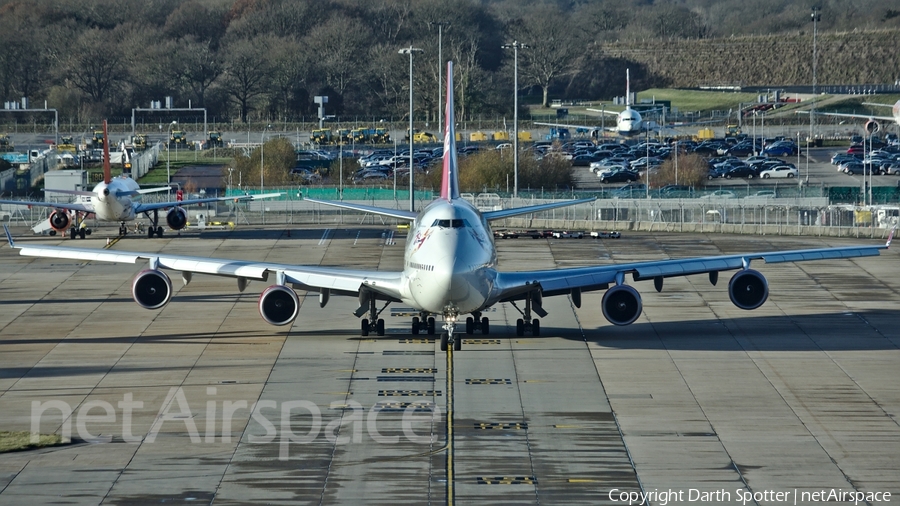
(603, 111)
(578, 128)
(336, 280)
(68, 207)
(144, 207)
(848, 115)
(381, 211)
(560, 281)
(517, 211)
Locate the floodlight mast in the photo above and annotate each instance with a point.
(515, 46)
(412, 199)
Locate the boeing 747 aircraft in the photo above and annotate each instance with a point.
(117, 199)
(449, 270)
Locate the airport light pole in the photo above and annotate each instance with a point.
(412, 198)
(168, 176)
(812, 115)
(515, 45)
(440, 73)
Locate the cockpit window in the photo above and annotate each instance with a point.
(458, 223)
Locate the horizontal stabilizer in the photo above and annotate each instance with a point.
(517, 211)
(381, 211)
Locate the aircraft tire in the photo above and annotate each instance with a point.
(520, 327)
(364, 327)
(159, 231)
(535, 327)
(470, 325)
(485, 326)
(443, 341)
(431, 326)
(379, 327)
(149, 232)
(81, 233)
(457, 344)
(72, 232)
(415, 325)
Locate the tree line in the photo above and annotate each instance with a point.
(266, 59)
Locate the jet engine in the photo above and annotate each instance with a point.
(278, 305)
(60, 220)
(872, 126)
(748, 289)
(621, 305)
(151, 289)
(176, 218)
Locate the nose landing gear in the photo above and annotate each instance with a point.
(447, 337)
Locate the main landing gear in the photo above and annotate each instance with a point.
(526, 323)
(155, 228)
(477, 322)
(373, 323)
(423, 322)
(78, 228)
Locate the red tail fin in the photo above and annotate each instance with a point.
(107, 177)
(450, 179)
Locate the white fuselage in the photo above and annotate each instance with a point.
(113, 201)
(629, 122)
(450, 260)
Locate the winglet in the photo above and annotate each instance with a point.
(9, 238)
(890, 238)
(450, 178)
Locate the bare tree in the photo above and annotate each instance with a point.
(95, 64)
(341, 48)
(291, 66)
(246, 71)
(553, 49)
(197, 66)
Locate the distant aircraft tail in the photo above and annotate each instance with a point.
(107, 176)
(450, 178)
(627, 87)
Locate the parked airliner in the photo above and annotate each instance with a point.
(117, 199)
(449, 269)
(629, 122)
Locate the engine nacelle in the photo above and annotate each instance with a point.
(278, 305)
(748, 289)
(151, 289)
(622, 305)
(60, 220)
(872, 126)
(176, 218)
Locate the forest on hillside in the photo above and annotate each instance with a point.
(266, 59)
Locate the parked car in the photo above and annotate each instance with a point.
(741, 171)
(631, 190)
(892, 169)
(719, 194)
(856, 149)
(672, 191)
(781, 148)
(717, 172)
(619, 176)
(780, 171)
